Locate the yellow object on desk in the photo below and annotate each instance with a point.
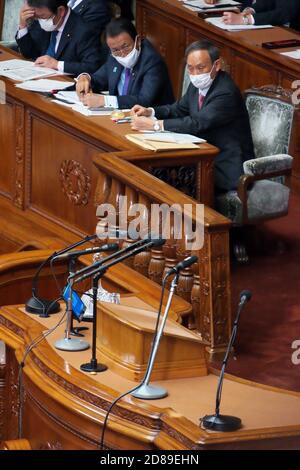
(141, 141)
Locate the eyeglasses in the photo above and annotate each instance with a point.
(123, 50)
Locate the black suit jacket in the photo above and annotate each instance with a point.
(223, 121)
(149, 85)
(78, 48)
(277, 12)
(95, 14)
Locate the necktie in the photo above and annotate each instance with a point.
(200, 102)
(126, 82)
(52, 44)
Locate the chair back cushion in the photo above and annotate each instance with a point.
(11, 19)
(271, 124)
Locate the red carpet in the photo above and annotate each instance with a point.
(270, 323)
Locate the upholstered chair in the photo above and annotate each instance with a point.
(10, 22)
(263, 191)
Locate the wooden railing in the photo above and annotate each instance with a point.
(207, 284)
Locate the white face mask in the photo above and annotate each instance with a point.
(202, 80)
(48, 25)
(130, 60)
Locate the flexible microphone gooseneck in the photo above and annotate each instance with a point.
(99, 263)
(43, 307)
(218, 422)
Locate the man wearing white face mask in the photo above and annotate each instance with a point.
(133, 73)
(212, 109)
(56, 37)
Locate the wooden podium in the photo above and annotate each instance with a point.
(124, 339)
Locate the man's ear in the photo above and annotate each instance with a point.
(218, 65)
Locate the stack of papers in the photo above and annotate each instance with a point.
(70, 99)
(219, 23)
(23, 70)
(200, 5)
(44, 85)
(165, 141)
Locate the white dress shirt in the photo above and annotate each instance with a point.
(22, 32)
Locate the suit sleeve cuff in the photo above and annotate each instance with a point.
(22, 32)
(61, 66)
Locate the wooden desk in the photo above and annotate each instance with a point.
(64, 408)
(47, 155)
(172, 27)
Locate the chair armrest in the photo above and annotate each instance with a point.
(247, 180)
(272, 163)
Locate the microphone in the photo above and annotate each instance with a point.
(182, 265)
(112, 256)
(41, 306)
(218, 422)
(100, 270)
(87, 251)
(245, 296)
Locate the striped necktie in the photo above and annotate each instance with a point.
(200, 101)
(126, 82)
(52, 44)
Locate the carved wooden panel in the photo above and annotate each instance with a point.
(64, 188)
(7, 148)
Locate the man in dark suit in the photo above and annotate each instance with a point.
(57, 37)
(212, 109)
(134, 73)
(95, 13)
(274, 12)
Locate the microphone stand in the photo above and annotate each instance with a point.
(68, 343)
(217, 422)
(93, 365)
(43, 307)
(146, 391)
(75, 331)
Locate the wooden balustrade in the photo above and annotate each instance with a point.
(207, 284)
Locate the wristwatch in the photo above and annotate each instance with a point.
(156, 126)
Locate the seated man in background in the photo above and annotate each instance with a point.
(212, 109)
(95, 13)
(54, 36)
(133, 73)
(274, 12)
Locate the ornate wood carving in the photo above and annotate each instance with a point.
(19, 183)
(182, 178)
(76, 182)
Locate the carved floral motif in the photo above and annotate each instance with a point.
(76, 182)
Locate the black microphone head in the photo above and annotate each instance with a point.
(245, 295)
(110, 247)
(157, 242)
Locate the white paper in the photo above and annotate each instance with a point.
(43, 85)
(202, 4)
(23, 70)
(174, 137)
(219, 23)
(70, 96)
(292, 54)
(80, 108)
(13, 64)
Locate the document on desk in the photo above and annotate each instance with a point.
(23, 70)
(219, 23)
(292, 54)
(201, 6)
(173, 137)
(43, 85)
(155, 145)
